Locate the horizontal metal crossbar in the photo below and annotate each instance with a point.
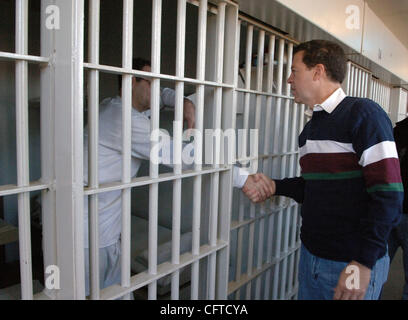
(8, 56)
(143, 181)
(11, 189)
(144, 278)
(151, 75)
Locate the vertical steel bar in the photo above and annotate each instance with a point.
(154, 127)
(260, 66)
(360, 82)
(351, 81)
(177, 134)
(69, 149)
(247, 96)
(23, 174)
(47, 110)
(201, 50)
(356, 81)
(283, 170)
(348, 78)
(248, 71)
(238, 269)
(93, 128)
(276, 148)
(229, 109)
(127, 52)
(217, 157)
(271, 58)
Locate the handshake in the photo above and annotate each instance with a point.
(258, 187)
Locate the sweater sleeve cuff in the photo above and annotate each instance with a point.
(369, 253)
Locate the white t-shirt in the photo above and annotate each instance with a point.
(110, 162)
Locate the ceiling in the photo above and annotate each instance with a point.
(394, 14)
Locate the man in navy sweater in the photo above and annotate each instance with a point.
(350, 188)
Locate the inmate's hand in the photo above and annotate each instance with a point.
(259, 187)
(189, 113)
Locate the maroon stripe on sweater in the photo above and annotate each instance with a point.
(329, 162)
(382, 172)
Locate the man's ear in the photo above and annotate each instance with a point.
(320, 71)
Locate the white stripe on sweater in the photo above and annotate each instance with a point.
(325, 146)
(377, 152)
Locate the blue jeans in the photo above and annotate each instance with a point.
(318, 277)
(399, 238)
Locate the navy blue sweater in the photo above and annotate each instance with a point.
(350, 188)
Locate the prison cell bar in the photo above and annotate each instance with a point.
(213, 228)
(351, 79)
(23, 174)
(154, 126)
(259, 85)
(127, 52)
(266, 162)
(276, 148)
(199, 115)
(231, 68)
(177, 134)
(93, 130)
(247, 96)
(47, 96)
(285, 158)
(69, 84)
(241, 197)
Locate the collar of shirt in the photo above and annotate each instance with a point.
(331, 102)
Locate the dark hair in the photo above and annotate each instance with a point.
(327, 53)
(137, 64)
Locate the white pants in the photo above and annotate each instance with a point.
(109, 266)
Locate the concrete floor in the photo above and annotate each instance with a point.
(393, 287)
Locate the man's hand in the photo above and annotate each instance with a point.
(353, 282)
(189, 113)
(259, 187)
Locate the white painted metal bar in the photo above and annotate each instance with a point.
(348, 78)
(47, 114)
(351, 80)
(213, 231)
(127, 52)
(363, 84)
(266, 163)
(201, 50)
(240, 233)
(8, 56)
(248, 60)
(69, 149)
(260, 66)
(144, 278)
(276, 146)
(248, 80)
(356, 81)
(229, 110)
(93, 131)
(154, 126)
(287, 101)
(151, 75)
(143, 181)
(286, 147)
(23, 174)
(359, 81)
(177, 134)
(11, 189)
